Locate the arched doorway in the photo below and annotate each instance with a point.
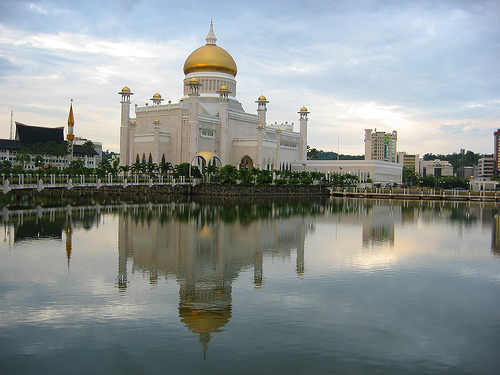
(246, 162)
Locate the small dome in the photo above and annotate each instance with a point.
(125, 89)
(303, 109)
(262, 97)
(194, 80)
(223, 88)
(157, 96)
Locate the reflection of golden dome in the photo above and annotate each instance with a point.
(303, 109)
(210, 58)
(125, 89)
(205, 321)
(262, 97)
(157, 96)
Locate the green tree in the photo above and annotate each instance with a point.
(89, 148)
(39, 161)
(228, 174)
(23, 157)
(125, 169)
(210, 171)
(265, 177)
(410, 178)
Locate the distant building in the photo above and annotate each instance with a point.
(466, 172)
(497, 151)
(377, 171)
(487, 166)
(27, 136)
(409, 161)
(437, 168)
(380, 145)
(90, 162)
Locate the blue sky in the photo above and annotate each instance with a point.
(428, 69)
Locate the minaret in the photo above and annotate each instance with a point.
(223, 118)
(124, 128)
(190, 146)
(70, 136)
(303, 133)
(262, 109)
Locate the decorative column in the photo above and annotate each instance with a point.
(190, 146)
(260, 135)
(303, 133)
(156, 135)
(223, 122)
(124, 128)
(278, 146)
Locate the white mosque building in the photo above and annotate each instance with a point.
(209, 125)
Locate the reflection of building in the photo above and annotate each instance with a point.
(378, 226)
(205, 248)
(208, 125)
(380, 145)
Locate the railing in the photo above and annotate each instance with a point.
(40, 182)
(415, 193)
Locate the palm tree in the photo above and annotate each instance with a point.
(89, 148)
(165, 167)
(39, 161)
(228, 173)
(23, 157)
(210, 170)
(125, 169)
(136, 167)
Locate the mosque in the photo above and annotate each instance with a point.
(209, 125)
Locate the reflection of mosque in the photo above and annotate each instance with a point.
(205, 248)
(48, 223)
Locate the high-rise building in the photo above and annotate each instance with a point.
(380, 145)
(497, 151)
(409, 161)
(487, 166)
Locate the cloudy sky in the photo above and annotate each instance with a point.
(428, 69)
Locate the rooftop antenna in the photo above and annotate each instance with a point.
(11, 118)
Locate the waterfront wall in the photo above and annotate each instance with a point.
(145, 193)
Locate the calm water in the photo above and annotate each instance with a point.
(304, 287)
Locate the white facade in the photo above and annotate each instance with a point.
(487, 166)
(208, 124)
(437, 168)
(380, 172)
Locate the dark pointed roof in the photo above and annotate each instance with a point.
(32, 134)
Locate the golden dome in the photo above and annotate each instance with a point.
(262, 97)
(303, 109)
(194, 80)
(210, 58)
(223, 88)
(125, 89)
(157, 96)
